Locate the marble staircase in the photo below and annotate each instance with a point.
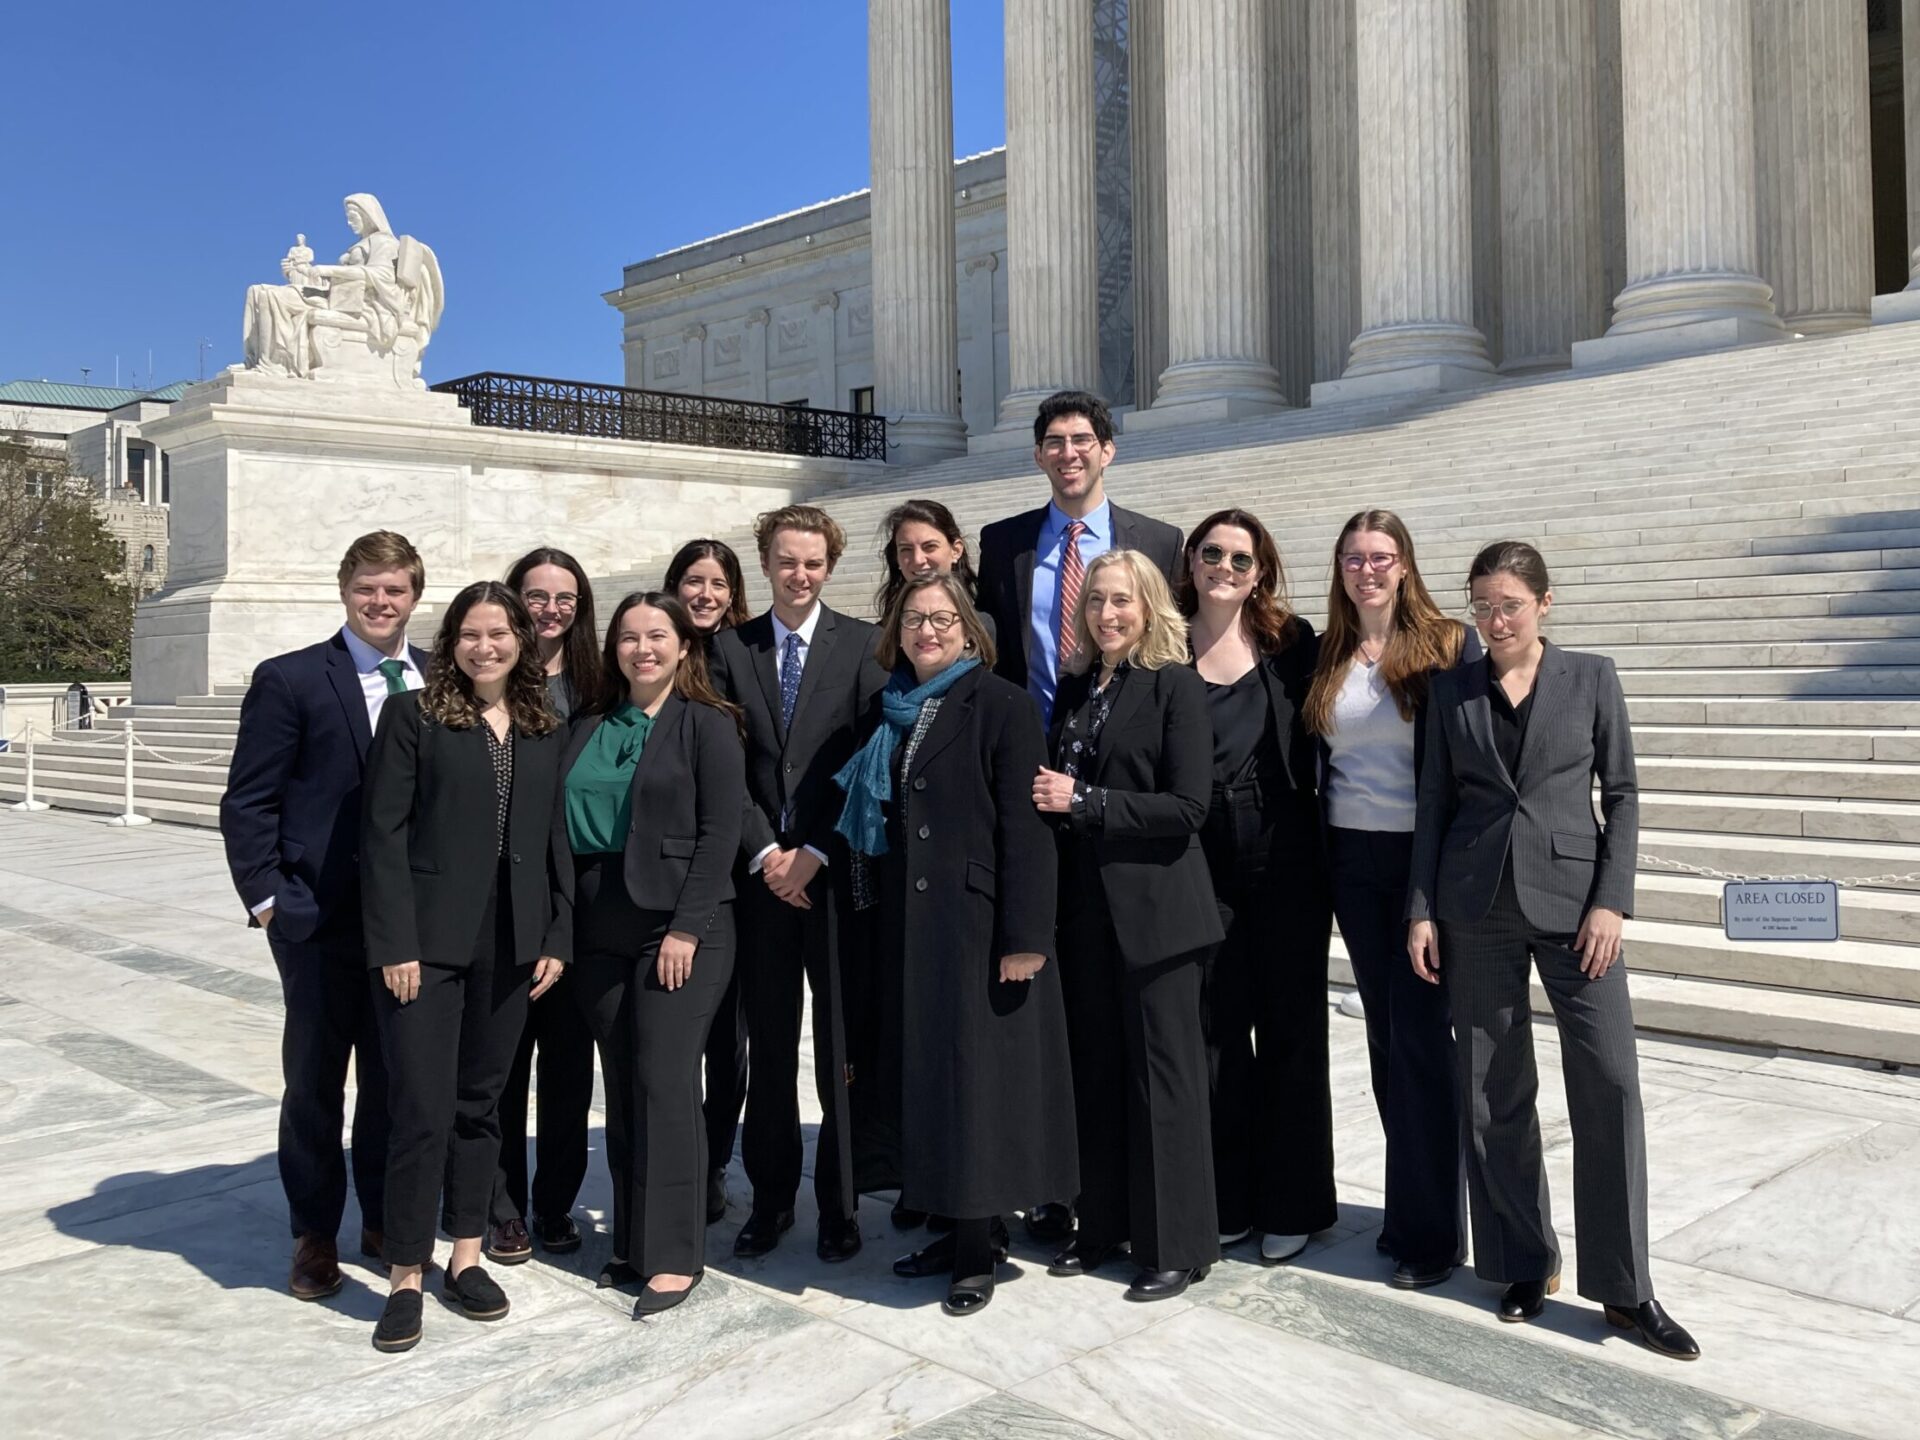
(85, 770)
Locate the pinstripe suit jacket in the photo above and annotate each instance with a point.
(1475, 818)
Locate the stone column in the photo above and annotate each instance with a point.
(693, 361)
(1219, 190)
(1692, 254)
(1290, 206)
(916, 354)
(1416, 204)
(1147, 124)
(1053, 279)
(1334, 137)
(1812, 162)
(1552, 267)
(755, 343)
(1910, 80)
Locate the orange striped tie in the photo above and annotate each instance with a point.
(1073, 570)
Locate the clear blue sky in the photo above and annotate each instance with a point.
(162, 157)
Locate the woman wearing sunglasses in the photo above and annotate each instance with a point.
(1385, 640)
(1265, 998)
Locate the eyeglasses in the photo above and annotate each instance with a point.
(1241, 561)
(540, 600)
(1482, 611)
(1057, 444)
(1353, 562)
(941, 620)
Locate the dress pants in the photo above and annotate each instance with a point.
(557, 1026)
(448, 1053)
(1409, 1045)
(1264, 1012)
(651, 1040)
(726, 1066)
(1140, 1098)
(329, 1017)
(780, 948)
(1485, 966)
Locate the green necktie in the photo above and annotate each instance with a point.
(396, 675)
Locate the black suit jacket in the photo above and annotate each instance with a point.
(427, 854)
(688, 791)
(792, 772)
(1006, 575)
(1155, 761)
(290, 816)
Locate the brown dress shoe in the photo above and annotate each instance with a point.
(373, 1245)
(316, 1268)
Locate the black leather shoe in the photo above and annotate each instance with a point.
(905, 1219)
(618, 1275)
(1051, 1224)
(1526, 1299)
(557, 1236)
(509, 1244)
(969, 1296)
(938, 1257)
(1659, 1331)
(716, 1195)
(762, 1232)
(399, 1327)
(1164, 1284)
(475, 1292)
(1409, 1275)
(839, 1240)
(655, 1302)
(1082, 1258)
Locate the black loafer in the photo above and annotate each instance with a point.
(1527, 1299)
(1412, 1275)
(1082, 1257)
(618, 1275)
(475, 1292)
(839, 1240)
(716, 1195)
(969, 1296)
(762, 1232)
(1659, 1331)
(557, 1236)
(655, 1302)
(1050, 1224)
(1164, 1284)
(399, 1327)
(905, 1219)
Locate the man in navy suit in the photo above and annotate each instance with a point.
(291, 822)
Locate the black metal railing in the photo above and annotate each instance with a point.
(613, 412)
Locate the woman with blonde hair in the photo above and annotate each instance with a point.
(1132, 776)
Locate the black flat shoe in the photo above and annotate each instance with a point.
(655, 1302)
(617, 1275)
(475, 1292)
(1051, 1224)
(969, 1296)
(938, 1257)
(762, 1232)
(1409, 1275)
(1659, 1331)
(839, 1240)
(1164, 1284)
(1526, 1299)
(716, 1195)
(399, 1327)
(1082, 1257)
(905, 1219)
(558, 1236)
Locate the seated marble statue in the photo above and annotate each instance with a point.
(371, 314)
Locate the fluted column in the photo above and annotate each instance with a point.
(1812, 163)
(916, 354)
(1219, 289)
(1053, 318)
(1416, 203)
(1147, 124)
(1334, 137)
(1910, 82)
(1551, 263)
(1692, 253)
(1290, 241)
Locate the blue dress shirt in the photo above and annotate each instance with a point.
(1043, 669)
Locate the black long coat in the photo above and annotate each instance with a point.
(985, 1081)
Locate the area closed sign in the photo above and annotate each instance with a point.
(1781, 910)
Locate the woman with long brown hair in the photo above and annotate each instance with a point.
(1265, 1000)
(705, 576)
(652, 793)
(1385, 639)
(923, 538)
(464, 924)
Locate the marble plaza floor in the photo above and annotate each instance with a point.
(145, 1251)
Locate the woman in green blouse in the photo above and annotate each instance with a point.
(651, 808)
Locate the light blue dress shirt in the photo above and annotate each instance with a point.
(1043, 669)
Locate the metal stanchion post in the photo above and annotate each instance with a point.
(127, 817)
(29, 803)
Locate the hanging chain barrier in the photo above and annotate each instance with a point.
(1859, 882)
(127, 741)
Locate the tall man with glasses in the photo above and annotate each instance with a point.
(1031, 569)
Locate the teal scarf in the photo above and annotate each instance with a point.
(868, 776)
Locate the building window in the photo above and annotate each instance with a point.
(861, 400)
(166, 479)
(146, 559)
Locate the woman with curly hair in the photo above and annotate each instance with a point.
(464, 918)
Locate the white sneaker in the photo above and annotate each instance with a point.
(1274, 1249)
(1235, 1238)
(1351, 1005)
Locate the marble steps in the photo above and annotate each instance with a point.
(179, 719)
(1890, 917)
(1877, 682)
(215, 702)
(154, 780)
(1773, 711)
(65, 795)
(1744, 813)
(1579, 632)
(1758, 656)
(1797, 778)
(1776, 612)
(1774, 744)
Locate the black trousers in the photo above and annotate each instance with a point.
(1264, 1012)
(1140, 1098)
(1485, 965)
(448, 1053)
(1410, 1048)
(329, 1019)
(557, 1029)
(651, 1040)
(726, 1066)
(780, 949)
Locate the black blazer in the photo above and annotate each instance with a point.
(1155, 761)
(427, 858)
(1006, 574)
(839, 697)
(1475, 818)
(290, 816)
(689, 789)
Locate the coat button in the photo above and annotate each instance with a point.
(516, 859)
(789, 767)
(921, 883)
(920, 784)
(924, 832)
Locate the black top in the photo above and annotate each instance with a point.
(1080, 734)
(1243, 741)
(500, 756)
(1509, 721)
(560, 695)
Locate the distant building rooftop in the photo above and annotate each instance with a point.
(83, 397)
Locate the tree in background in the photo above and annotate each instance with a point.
(66, 612)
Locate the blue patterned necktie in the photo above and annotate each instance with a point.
(789, 678)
